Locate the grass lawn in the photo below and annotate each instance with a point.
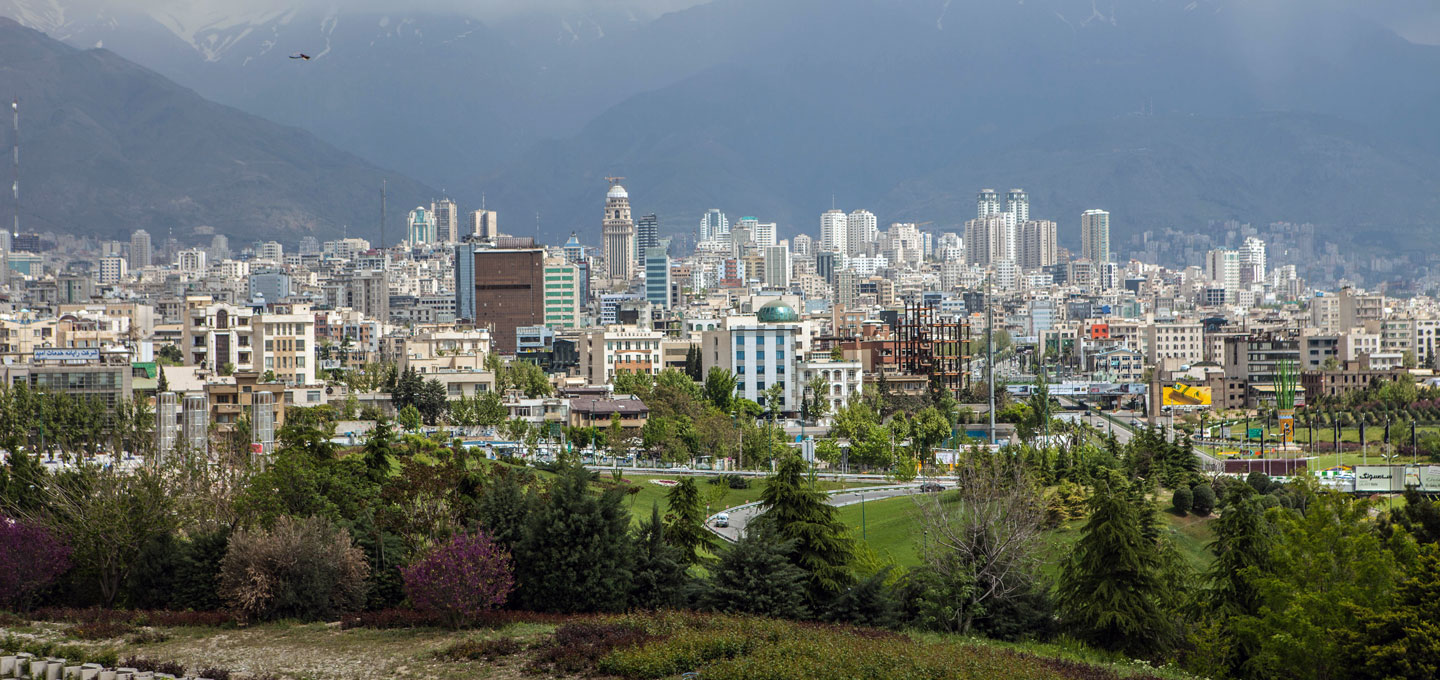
(892, 531)
(717, 496)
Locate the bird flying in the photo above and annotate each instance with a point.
(300, 55)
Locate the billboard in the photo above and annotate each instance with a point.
(1379, 478)
(67, 354)
(1185, 395)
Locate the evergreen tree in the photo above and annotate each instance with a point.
(659, 569)
(800, 515)
(685, 524)
(694, 364)
(503, 506)
(161, 384)
(1110, 588)
(1242, 545)
(756, 575)
(1400, 642)
(379, 448)
(1203, 501)
(575, 553)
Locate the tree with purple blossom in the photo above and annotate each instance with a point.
(31, 558)
(461, 579)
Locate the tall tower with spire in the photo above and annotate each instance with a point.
(619, 233)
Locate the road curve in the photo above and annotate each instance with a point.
(742, 515)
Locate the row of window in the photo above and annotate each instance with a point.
(759, 370)
(759, 354)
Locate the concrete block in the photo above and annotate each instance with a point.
(71, 672)
(54, 669)
(37, 668)
(107, 675)
(7, 666)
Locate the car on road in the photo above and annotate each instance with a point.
(722, 520)
(932, 487)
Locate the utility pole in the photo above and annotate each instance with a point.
(990, 350)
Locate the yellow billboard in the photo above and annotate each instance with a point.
(1185, 395)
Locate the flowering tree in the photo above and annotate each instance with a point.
(461, 579)
(30, 558)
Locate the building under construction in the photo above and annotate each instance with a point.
(929, 344)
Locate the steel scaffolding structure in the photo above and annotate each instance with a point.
(933, 345)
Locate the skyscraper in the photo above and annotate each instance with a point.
(420, 226)
(1252, 261)
(1017, 203)
(987, 203)
(713, 225)
(140, 249)
(647, 235)
(1095, 236)
(765, 235)
(1222, 266)
(447, 220)
(562, 293)
(777, 266)
(861, 231)
(484, 224)
(501, 288)
(1037, 246)
(990, 239)
(619, 233)
(833, 231)
(657, 276)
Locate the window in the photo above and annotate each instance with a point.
(740, 354)
(760, 354)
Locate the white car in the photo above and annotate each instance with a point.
(722, 520)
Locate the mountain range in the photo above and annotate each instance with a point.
(1169, 113)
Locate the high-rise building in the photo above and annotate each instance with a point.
(447, 221)
(112, 269)
(987, 203)
(765, 235)
(990, 239)
(777, 266)
(647, 235)
(219, 248)
(484, 224)
(309, 245)
(1222, 266)
(861, 230)
(1017, 203)
(191, 261)
(501, 288)
(420, 226)
(1252, 261)
(140, 249)
(271, 250)
(1095, 236)
(562, 293)
(1037, 244)
(802, 245)
(574, 252)
(657, 276)
(825, 266)
(833, 231)
(619, 235)
(713, 225)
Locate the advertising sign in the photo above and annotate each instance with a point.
(1379, 478)
(1254, 433)
(1185, 395)
(1429, 478)
(67, 354)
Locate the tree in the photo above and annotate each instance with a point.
(638, 383)
(379, 449)
(720, 387)
(574, 555)
(1401, 642)
(816, 400)
(694, 363)
(988, 537)
(169, 354)
(490, 410)
(410, 418)
(461, 579)
(227, 368)
(431, 401)
(928, 430)
(1110, 588)
(1242, 546)
(304, 569)
(528, 377)
(31, 558)
(1419, 517)
(1181, 500)
(659, 576)
(757, 575)
(107, 519)
(1203, 500)
(503, 507)
(800, 515)
(615, 436)
(685, 523)
(162, 385)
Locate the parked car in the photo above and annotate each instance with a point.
(722, 520)
(932, 487)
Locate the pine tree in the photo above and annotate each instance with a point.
(575, 554)
(162, 385)
(799, 514)
(503, 507)
(756, 576)
(379, 448)
(685, 524)
(659, 569)
(1110, 589)
(1243, 540)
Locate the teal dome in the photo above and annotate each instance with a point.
(777, 312)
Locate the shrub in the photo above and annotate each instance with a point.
(578, 647)
(1204, 500)
(147, 636)
(303, 569)
(151, 666)
(31, 558)
(214, 673)
(99, 629)
(1181, 500)
(462, 579)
